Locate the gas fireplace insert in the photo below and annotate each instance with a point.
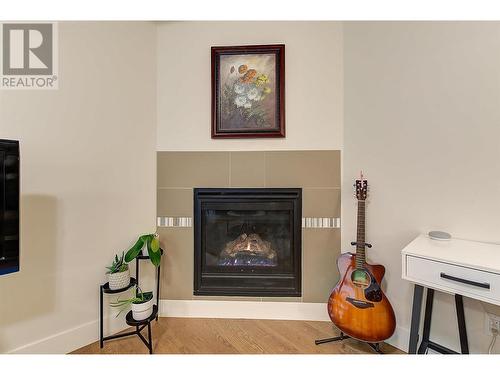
(247, 241)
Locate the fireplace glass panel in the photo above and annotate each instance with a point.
(247, 241)
(238, 239)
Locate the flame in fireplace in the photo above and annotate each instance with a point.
(248, 250)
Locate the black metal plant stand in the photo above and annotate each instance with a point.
(138, 324)
(415, 323)
(374, 346)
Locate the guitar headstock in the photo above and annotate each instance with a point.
(361, 186)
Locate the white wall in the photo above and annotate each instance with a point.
(422, 115)
(88, 181)
(314, 88)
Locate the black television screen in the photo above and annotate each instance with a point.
(9, 206)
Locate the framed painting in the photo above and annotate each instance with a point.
(248, 91)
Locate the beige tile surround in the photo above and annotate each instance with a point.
(316, 172)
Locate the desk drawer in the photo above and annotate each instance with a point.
(455, 279)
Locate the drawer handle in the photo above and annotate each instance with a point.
(465, 281)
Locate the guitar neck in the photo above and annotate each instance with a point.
(360, 238)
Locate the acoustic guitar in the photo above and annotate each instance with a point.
(357, 305)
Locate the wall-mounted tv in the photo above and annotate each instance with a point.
(9, 206)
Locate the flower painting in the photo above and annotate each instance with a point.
(247, 91)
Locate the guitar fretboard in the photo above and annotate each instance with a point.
(360, 238)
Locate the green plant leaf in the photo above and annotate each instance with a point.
(139, 297)
(144, 297)
(144, 237)
(134, 250)
(155, 243)
(154, 256)
(123, 267)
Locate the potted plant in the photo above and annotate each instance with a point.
(142, 304)
(149, 244)
(118, 273)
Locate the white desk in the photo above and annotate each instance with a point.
(459, 267)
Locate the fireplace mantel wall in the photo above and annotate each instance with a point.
(317, 172)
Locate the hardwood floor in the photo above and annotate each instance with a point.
(235, 336)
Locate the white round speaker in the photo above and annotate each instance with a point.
(439, 235)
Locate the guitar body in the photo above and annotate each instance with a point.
(357, 305)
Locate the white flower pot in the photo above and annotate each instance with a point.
(141, 311)
(119, 280)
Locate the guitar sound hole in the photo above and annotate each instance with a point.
(361, 278)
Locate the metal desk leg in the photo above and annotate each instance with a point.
(415, 318)
(422, 349)
(101, 323)
(462, 330)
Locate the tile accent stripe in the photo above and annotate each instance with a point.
(174, 222)
(321, 222)
(307, 222)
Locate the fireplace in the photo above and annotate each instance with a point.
(247, 242)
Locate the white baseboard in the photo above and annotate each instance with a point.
(244, 310)
(62, 342)
(70, 339)
(400, 338)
